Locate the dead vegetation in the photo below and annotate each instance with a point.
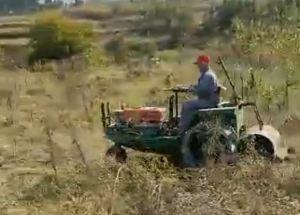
(52, 147)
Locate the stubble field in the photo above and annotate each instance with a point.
(52, 146)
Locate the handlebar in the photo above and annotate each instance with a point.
(245, 104)
(187, 89)
(178, 89)
(257, 114)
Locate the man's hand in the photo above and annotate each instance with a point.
(180, 88)
(191, 87)
(236, 100)
(222, 87)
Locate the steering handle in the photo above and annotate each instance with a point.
(178, 89)
(244, 104)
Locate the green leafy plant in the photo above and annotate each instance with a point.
(117, 49)
(174, 19)
(53, 36)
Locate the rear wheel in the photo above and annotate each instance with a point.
(204, 142)
(118, 153)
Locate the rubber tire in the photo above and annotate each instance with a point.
(118, 153)
(202, 159)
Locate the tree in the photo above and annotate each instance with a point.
(56, 37)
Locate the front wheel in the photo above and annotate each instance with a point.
(192, 148)
(118, 153)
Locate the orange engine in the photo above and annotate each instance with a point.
(143, 114)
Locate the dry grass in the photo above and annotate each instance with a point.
(17, 18)
(14, 42)
(52, 148)
(14, 32)
(48, 169)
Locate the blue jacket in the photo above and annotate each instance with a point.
(207, 87)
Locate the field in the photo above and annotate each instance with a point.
(52, 145)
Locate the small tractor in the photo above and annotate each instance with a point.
(216, 133)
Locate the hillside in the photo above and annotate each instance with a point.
(52, 145)
(107, 19)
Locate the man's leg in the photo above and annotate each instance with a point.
(187, 110)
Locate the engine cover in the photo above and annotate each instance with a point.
(142, 114)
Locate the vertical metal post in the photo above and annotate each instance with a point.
(103, 116)
(176, 108)
(108, 112)
(242, 80)
(171, 111)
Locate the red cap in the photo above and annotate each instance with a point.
(202, 59)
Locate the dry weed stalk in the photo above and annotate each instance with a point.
(252, 85)
(78, 147)
(25, 82)
(268, 94)
(60, 70)
(112, 202)
(15, 149)
(87, 105)
(51, 146)
(289, 84)
(31, 113)
(12, 103)
(169, 80)
(156, 194)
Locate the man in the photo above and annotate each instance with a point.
(206, 91)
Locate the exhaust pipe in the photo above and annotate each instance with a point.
(103, 115)
(171, 112)
(108, 112)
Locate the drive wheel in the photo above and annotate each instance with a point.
(118, 153)
(204, 142)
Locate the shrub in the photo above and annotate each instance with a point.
(120, 50)
(275, 40)
(221, 17)
(169, 55)
(138, 49)
(166, 18)
(56, 37)
(99, 59)
(117, 49)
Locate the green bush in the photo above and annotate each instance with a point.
(117, 49)
(56, 37)
(162, 18)
(270, 11)
(138, 49)
(221, 17)
(120, 49)
(168, 55)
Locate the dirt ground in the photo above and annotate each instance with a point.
(32, 103)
